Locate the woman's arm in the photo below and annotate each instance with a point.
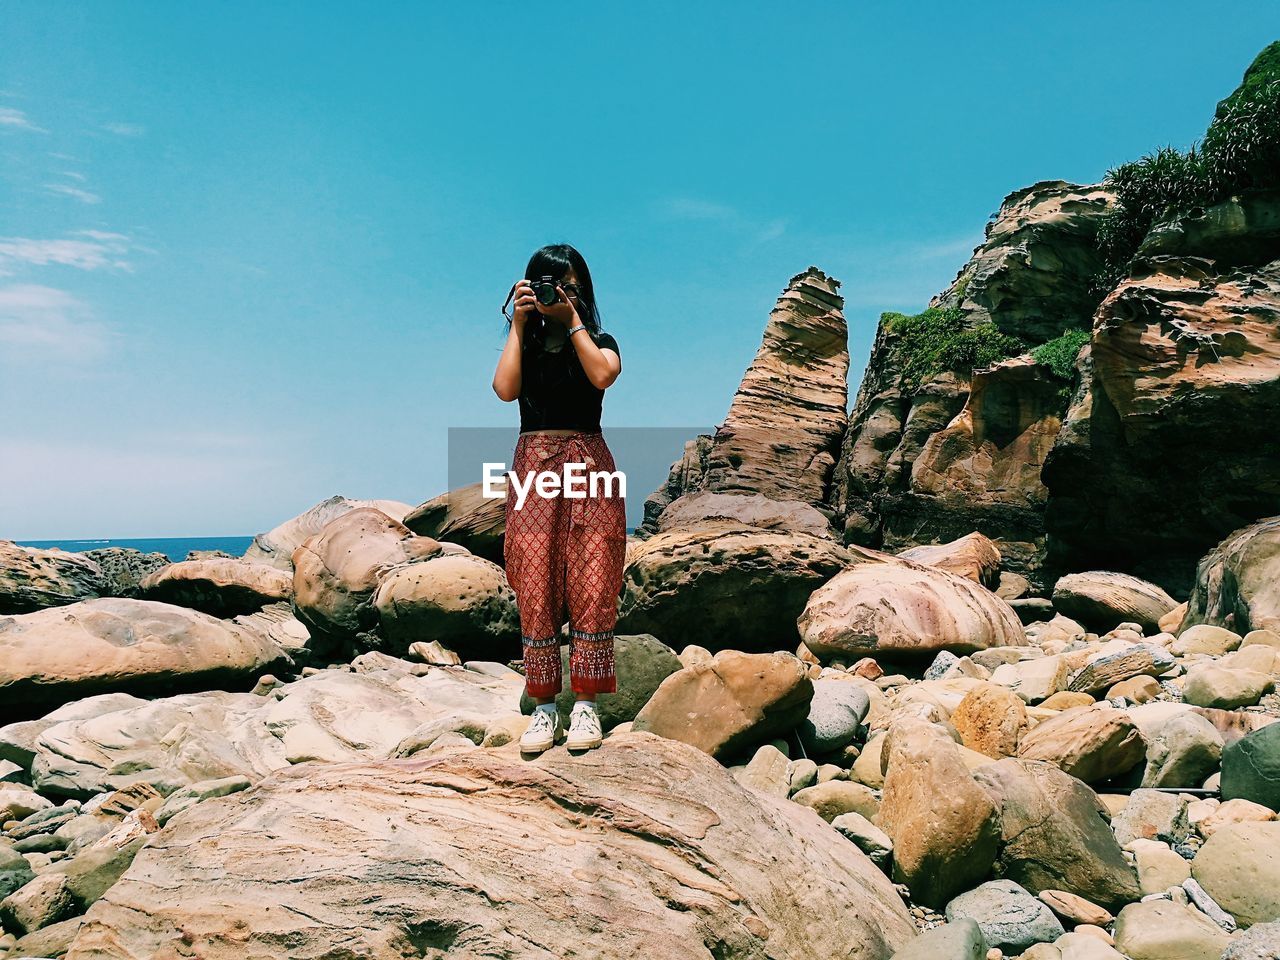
(601, 366)
(506, 379)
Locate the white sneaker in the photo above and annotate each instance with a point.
(543, 730)
(584, 729)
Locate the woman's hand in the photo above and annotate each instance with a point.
(525, 303)
(563, 311)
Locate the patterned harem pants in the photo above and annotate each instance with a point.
(563, 551)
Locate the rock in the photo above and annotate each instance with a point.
(1238, 582)
(1075, 909)
(464, 516)
(1186, 750)
(961, 940)
(1081, 944)
(1065, 700)
(33, 579)
(725, 585)
(767, 771)
(1140, 660)
(1104, 598)
(18, 740)
(173, 742)
(186, 797)
(904, 609)
(1053, 835)
(1259, 942)
(277, 546)
(50, 941)
(454, 598)
(15, 872)
(1135, 690)
(974, 557)
(1251, 767)
(789, 411)
(640, 664)
(390, 873)
(752, 510)
(835, 714)
(731, 703)
(1163, 930)
(1032, 609)
(1010, 918)
(867, 837)
(19, 802)
(1181, 326)
(1092, 743)
(1159, 867)
(96, 646)
(1265, 638)
(943, 825)
(1207, 685)
(1233, 811)
(1205, 639)
(833, 798)
(1239, 866)
(1208, 906)
(46, 899)
(1033, 680)
(991, 719)
(868, 768)
(1152, 815)
(218, 586)
(916, 457)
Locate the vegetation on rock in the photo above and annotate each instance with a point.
(1240, 151)
(1059, 355)
(937, 340)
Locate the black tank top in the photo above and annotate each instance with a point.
(555, 393)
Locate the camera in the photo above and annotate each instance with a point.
(545, 290)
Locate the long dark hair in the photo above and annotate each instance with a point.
(554, 260)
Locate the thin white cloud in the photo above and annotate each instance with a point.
(46, 322)
(693, 208)
(17, 120)
(72, 175)
(125, 129)
(78, 193)
(84, 250)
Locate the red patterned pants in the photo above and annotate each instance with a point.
(564, 555)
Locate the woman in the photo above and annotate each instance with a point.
(562, 553)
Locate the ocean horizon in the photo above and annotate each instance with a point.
(175, 548)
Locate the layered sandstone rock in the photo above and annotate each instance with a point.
(1238, 582)
(464, 516)
(277, 545)
(916, 458)
(1170, 444)
(219, 586)
(656, 851)
(32, 579)
(783, 430)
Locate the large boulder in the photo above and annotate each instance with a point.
(333, 715)
(276, 547)
(991, 719)
(32, 578)
(655, 849)
(1092, 743)
(725, 585)
(751, 509)
(1238, 582)
(337, 571)
(1251, 767)
(903, 608)
(1168, 930)
(1239, 866)
(464, 516)
(730, 703)
(113, 644)
(219, 586)
(944, 826)
(1103, 599)
(462, 601)
(1053, 835)
(974, 557)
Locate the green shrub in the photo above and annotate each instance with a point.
(935, 341)
(1240, 151)
(1059, 354)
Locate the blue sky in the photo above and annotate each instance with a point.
(251, 255)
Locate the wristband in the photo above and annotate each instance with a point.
(581, 326)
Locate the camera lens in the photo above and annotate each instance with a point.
(546, 293)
